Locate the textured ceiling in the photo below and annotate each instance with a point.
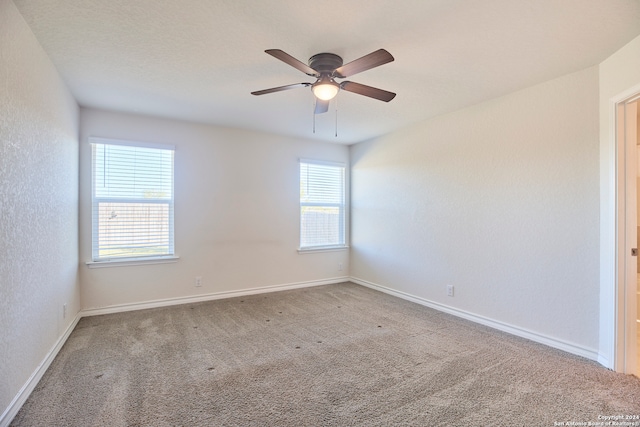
(198, 60)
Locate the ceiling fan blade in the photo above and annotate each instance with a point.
(321, 106)
(286, 58)
(369, 91)
(280, 88)
(372, 60)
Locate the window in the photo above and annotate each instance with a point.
(132, 200)
(322, 205)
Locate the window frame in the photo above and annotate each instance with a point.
(343, 208)
(97, 261)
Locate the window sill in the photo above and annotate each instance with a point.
(132, 261)
(322, 249)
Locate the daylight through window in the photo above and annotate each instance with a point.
(132, 194)
(322, 205)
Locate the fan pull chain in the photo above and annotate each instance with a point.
(314, 117)
(336, 105)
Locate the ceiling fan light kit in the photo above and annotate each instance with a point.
(326, 67)
(325, 89)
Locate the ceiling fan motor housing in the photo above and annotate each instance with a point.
(325, 63)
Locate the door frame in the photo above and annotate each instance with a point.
(618, 288)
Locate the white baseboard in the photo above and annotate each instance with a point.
(505, 327)
(604, 361)
(17, 402)
(208, 297)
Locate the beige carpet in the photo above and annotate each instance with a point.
(340, 355)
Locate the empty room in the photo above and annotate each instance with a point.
(297, 213)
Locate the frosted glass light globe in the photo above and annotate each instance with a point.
(325, 90)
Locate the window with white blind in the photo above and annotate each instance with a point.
(132, 200)
(322, 205)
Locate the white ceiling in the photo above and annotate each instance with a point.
(198, 60)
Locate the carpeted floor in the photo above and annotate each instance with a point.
(336, 355)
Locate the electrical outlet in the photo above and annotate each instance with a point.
(198, 281)
(64, 311)
(339, 266)
(450, 290)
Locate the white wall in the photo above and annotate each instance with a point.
(498, 199)
(618, 75)
(236, 212)
(38, 205)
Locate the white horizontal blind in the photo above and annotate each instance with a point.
(132, 194)
(322, 205)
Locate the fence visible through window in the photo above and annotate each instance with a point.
(132, 200)
(133, 229)
(322, 205)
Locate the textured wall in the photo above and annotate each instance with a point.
(236, 212)
(499, 200)
(38, 204)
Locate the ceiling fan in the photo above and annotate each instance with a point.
(326, 67)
